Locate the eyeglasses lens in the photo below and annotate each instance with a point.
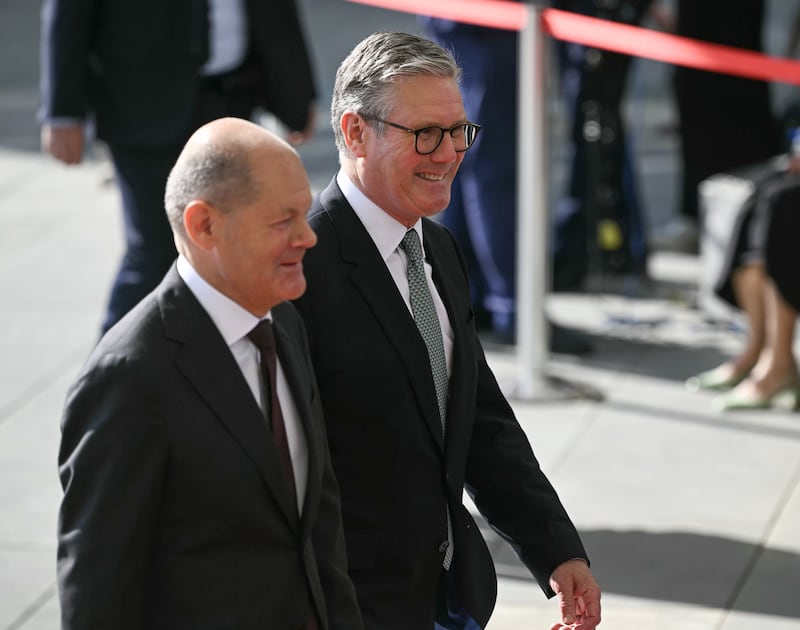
(428, 139)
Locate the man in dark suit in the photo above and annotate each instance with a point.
(146, 74)
(413, 413)
(179, 509)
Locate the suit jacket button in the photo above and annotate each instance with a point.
(443, 547)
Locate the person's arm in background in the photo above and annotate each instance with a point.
(64, 141)
(64, 69)
(304, 135)
(280, 45)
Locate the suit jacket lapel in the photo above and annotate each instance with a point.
(376, 285)
(206, 361)
(299, 382)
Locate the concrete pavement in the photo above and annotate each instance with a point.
(691, 517)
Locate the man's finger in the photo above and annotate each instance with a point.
(567, 606)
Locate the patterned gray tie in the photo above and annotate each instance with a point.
(429, 328)
(426, 319)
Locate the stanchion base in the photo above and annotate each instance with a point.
(548, 388)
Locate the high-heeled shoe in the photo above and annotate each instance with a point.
(715, 380)
(786, 398)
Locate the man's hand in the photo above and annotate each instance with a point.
(297, 138)
(578, 596)
(64, 143)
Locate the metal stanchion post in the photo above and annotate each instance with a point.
(532, 199)
(533, 223)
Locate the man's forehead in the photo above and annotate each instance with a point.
(428, 95)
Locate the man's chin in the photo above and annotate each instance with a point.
(432, 209)
(295, 290)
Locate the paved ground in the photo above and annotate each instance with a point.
(692, 518)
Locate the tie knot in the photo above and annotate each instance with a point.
(262, 336)
(410, 244)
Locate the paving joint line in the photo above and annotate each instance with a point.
(761, 548)
(8, 410)
(33, 608)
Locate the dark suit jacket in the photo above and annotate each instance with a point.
(175, 514)
(395, 472)
(134, 63)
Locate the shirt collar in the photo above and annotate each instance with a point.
(386, 232)
(232, 321)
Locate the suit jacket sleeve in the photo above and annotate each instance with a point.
(66, 39)
(111, 463)
(511, 491)
(280, 45)
(507, 484)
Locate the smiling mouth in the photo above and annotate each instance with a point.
(430, 177)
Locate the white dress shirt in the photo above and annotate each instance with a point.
(234, 323)
(227, 37)
(387, 233)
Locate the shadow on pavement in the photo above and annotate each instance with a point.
(714, 420)
(679, 567)
(670, 360)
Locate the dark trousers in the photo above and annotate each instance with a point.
(450, 614)
(149, 249)
(141, 174)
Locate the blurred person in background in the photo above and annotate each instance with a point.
(725, 121)
(759, 272)
(144, 76)
(759, 276)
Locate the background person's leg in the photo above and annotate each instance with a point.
(149, 248)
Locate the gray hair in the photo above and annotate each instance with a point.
(220, 176)
(366, 78)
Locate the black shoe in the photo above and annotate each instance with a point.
(568, 341)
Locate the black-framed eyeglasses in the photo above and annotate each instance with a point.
(428, 139)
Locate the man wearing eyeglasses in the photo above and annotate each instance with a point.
(413, 413)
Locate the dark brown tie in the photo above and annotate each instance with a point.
(264, 340)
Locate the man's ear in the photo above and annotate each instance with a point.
(199, 221)
(354, 130)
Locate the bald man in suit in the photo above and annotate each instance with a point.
(179, 511)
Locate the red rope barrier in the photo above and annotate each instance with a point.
(608, 35)
(492, 13)
(674, 49)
